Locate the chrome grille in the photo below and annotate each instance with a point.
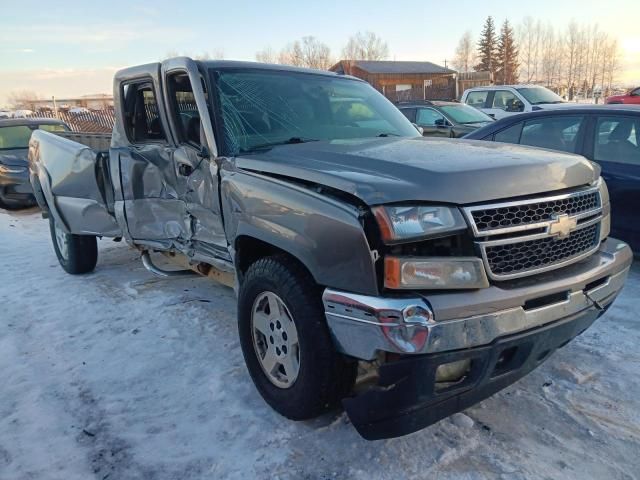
(544, 252)
(525, 237)
(532, 212)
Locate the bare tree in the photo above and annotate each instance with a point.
(611, 64)
(465, 52)
(267, 55)
(530, 34)
(23, 99)
(307, 52)
(365, 46)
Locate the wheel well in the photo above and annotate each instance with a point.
(250, 249)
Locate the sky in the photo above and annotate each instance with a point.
(70, 47)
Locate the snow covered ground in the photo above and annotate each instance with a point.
(121, 375)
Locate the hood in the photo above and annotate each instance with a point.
(15, 157)
(386, 170)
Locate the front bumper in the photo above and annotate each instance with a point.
(532, 317)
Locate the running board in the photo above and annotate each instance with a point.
(148, 264)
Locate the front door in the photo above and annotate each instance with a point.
(194, 158)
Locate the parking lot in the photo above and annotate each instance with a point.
(119, 375)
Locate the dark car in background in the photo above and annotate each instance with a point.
(608, 135)
(15, 189)
(444, 119)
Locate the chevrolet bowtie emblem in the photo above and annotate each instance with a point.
(562, 226)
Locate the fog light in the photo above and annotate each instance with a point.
(453, 371)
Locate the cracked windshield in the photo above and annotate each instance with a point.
(263, 109)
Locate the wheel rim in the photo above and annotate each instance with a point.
(61, 241)
(275, 340)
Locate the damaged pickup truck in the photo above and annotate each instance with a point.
(408, 278)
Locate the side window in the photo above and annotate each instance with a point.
(503, 99)
(427, 117)
(635, 93)
(555, 133)
(617, 140)
(183, 108)
(410, 113)
(477, 99)
(141, 116)
(509, 135)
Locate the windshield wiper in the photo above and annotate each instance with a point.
(289, 141)
(387, 134)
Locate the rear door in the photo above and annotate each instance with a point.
(146, 198)
(615, 145)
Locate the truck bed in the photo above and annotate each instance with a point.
(99, 142)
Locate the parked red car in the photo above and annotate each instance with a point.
(631, 97)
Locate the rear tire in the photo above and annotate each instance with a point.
(319, 377)
(77, 254)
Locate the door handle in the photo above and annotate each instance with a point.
(185, 169)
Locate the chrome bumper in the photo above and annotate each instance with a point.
(360, 324)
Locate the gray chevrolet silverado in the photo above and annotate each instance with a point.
(408, 278)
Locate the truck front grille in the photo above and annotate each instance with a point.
(525, 237)
(532, 212)
(522, 257)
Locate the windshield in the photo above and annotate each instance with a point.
(262, 108)
(17, 136)
(465, 114)
(538, 95)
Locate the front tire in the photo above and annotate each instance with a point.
(286, 343)
(77, 254)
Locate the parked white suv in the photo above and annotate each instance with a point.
(499, 101)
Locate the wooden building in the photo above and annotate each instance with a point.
(400, 81)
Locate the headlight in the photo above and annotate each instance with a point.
(434, 273)
(401, 223)
(10, 169)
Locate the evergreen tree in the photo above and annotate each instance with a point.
(487, 48)
(507, 58)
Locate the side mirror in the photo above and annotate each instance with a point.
(419, 128)
(441, 122)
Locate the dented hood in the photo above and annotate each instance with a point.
(386, 170)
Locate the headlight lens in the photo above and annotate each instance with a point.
(10, 169)
(400, 223)
(434, 273)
